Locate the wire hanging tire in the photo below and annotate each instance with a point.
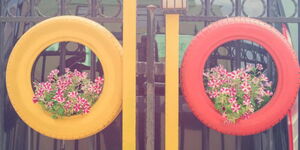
(18, 76)
(240, 28)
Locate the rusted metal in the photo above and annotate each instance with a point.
(150, 74)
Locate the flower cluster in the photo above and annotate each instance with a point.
(239, 93)
(70, 94)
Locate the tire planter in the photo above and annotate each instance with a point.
(240, 28)
(32, 43)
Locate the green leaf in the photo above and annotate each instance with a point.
(60, 111)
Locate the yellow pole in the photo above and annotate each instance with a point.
(129, 74)
(172, 106)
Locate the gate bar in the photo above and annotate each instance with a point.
(129, 75)
(172, 91)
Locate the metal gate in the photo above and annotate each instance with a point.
(17, 16)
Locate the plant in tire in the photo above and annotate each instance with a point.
(69, 94)
(239, 93)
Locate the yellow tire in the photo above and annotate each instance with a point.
(18, 76)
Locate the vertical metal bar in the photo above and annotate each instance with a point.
(129, 75)
(172, 80)
(14, 141)
(207, 10)
(38, 141)
(76, 146)
(150, 101)
(93, 57)
(62, 58)
(269, 4)
(29, 138)
(238, 7)
(32, 12)
(98, 141)
(238, 53)
(205, 137)
(62, 145)
(158, 112)
(62, 10)
(43, 68)
(269, 74)
(222, 142)
(93, 9)
(62, 62)
(2, 140)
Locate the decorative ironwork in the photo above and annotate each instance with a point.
(263, 8)
(231, 12)
(295, 9)
(101, 8)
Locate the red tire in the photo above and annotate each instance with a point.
(240, 28)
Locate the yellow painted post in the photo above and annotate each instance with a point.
(172, 106)
(129, 75)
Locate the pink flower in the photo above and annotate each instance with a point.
(82, 75)
(59, 93)
(81, 100)
(259, 67)
(263, 77)
(47, 86)
(77, 73)
(245, 76)
(221, 70)
(99, 80)
(246, 87)
(225, 90)
(268, 84)
(232, 92)
(232, 100)
(246, 97)
(247, 102)
(60, 99)
(86, 108)
(77, 107)
(233, 75)
(59, 96)
(52, 74)
(61, 84)
(212, 83)
(235, 107)
(269, 93)
(213, 94)
(97, 89)
(67, 70)
(35, 99)
(87, 105)
(73, 94)
(68, 105)
(39, 93)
